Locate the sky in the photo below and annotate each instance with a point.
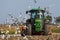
(15, 7)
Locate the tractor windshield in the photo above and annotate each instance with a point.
(33, 15)
(36, 15)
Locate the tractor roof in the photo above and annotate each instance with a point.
(37, 10)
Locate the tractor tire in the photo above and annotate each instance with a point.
(29, 30)
(28, 24)
(46, 30)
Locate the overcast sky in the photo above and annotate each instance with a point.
(14, 7)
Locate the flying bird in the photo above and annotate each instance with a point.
(35, 1)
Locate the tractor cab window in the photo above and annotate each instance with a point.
(33, 15)
(36, 15)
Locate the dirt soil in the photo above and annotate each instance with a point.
(54, 36)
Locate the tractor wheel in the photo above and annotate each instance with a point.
(28, 24)
(46, 30)
(29, 30)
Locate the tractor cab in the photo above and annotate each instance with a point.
(36, 13)
(36, 21)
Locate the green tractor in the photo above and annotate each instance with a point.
(36, 23)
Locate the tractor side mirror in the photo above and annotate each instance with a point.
(27, 12)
